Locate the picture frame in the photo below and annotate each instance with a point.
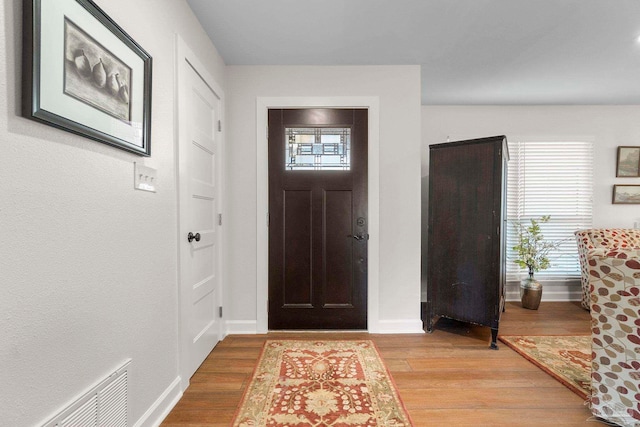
(628, 163)
(626, 194)
(84, 74)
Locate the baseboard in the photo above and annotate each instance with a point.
(400, 326)
(241, 327)
(162, 406)
(554, 291)
(411, 326)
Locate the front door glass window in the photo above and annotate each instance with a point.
(317, 148)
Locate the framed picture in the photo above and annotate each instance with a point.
(626, 194)
(84, 74)
(628, 162)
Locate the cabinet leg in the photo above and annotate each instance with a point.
(494, 339)
(429, 325)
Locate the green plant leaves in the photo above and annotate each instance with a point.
(532, 248)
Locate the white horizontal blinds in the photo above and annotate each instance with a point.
(555, 179)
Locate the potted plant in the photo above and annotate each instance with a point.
(533, 251)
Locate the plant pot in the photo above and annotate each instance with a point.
(530, 293)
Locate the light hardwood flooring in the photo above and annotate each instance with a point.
(447, 378)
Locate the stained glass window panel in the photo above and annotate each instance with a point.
(318, 149)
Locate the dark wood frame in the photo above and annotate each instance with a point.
(615, 189)
(620, 148)
(31, 85)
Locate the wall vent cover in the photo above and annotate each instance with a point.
(104, 405)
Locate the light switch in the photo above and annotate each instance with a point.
(145, 178)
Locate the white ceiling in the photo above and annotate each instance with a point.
(470, 51)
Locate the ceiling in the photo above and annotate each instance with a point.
(477, 52)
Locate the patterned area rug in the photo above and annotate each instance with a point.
(321, 383)
(566, 358)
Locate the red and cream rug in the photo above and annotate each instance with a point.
(321, 383)
(565, 358)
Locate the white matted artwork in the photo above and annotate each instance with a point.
(84, 74)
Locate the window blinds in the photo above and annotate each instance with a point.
(555, 179)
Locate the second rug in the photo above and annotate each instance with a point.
(566, 358)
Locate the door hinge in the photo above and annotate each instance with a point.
(219, 125)
(267, 132)
(219, 219)
(220, 311)
(267, 219)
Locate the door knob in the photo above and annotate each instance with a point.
(191, 237)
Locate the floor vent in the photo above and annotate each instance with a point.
(105, 405)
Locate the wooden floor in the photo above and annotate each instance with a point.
(448, 378)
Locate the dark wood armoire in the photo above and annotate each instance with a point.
(466, 233)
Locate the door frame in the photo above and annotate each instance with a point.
(263, 104)
(185, 57)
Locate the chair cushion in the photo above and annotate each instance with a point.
(614, 238)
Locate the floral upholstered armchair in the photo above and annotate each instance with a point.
(599, 241)
(614, 281)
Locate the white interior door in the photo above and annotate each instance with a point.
(199, 244)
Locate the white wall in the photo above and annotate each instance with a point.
(88, 265)
(398, 89)
(606, 126)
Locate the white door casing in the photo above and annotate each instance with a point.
(200, 154)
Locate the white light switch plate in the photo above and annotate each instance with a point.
(145, 178)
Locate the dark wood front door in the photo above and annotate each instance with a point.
(318, 219)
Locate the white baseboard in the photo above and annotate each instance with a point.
(400, 326)
(241, 327)
(162, 406)
(551, 291)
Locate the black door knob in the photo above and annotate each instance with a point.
(191, 237)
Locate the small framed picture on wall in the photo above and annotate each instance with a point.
(628, 164)
(626, 194)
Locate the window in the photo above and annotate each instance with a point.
(550, 178)
(318, 148)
